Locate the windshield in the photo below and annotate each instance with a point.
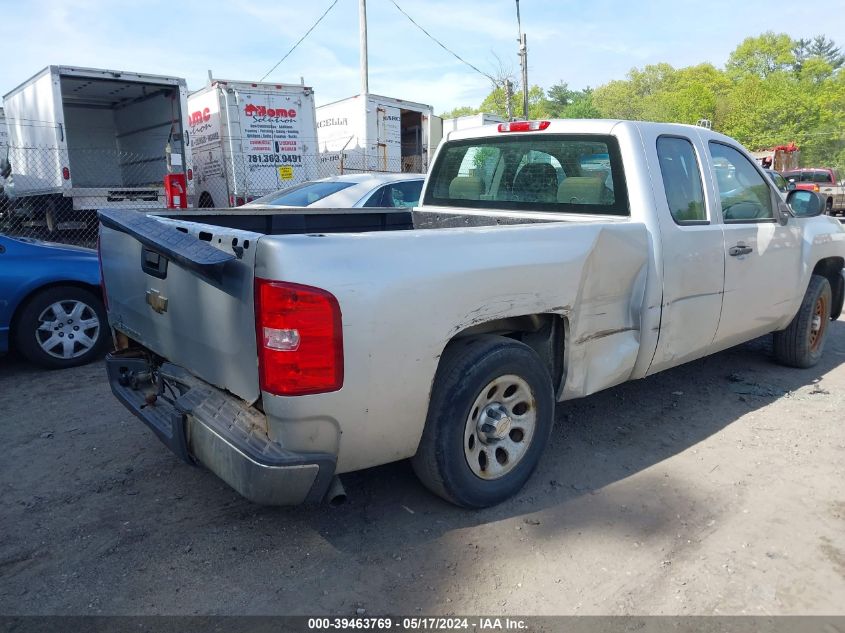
(302, 195)
(572, 173)
(779, 181)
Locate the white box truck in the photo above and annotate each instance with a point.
(371, 133)
(251, 139)
(5, 167)
(470, 121)
(81, 139)
(4, 134)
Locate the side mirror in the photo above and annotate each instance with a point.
(804, 204)
(5, 168)
(790, 186)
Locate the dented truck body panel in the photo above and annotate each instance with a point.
(631, 295)
(591, 274)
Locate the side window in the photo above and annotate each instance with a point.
(743, 192)
(377, 198)
(404, 194)
(780, 183)
(681, 180)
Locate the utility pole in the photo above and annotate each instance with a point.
(523, 62)
(362, 25)
(509, 98)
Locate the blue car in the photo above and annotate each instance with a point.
(51, 305)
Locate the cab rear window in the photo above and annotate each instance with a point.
(573, 173)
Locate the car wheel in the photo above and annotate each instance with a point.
(489, 419)
(62, 326)
(801, 344)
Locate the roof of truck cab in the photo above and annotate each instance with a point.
(588, 126)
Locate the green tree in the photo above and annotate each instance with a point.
(820, 47)
(772, 91)
(459, 111)
(762, 55)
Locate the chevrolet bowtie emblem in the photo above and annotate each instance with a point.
(156, 301)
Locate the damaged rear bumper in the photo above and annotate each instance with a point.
(201, 423)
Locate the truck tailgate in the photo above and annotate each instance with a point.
(185, 291)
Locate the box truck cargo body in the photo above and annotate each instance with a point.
(5, 168)
(470, 121)
(251, 139)
(4, 135)
(81, 139)
(371, 133)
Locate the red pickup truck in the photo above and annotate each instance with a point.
(823, 181)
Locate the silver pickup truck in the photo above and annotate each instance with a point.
(549, 260)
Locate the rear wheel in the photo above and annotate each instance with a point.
(62, 326)
(205, 201)
(802, 343)
(489, 419)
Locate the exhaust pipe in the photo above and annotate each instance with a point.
(336, 494)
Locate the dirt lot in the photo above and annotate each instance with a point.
(713, 488)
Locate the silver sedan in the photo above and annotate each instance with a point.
(351, 190)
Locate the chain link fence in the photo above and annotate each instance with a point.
(53, 194)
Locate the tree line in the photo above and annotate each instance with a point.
(773, 90)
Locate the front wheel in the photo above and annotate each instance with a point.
(62, 326)
(801, 344)
(489, 419)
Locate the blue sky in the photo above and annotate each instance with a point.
(581, 42)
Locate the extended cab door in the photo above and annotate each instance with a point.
(762, 255)
(693, 248)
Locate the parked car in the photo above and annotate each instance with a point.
(781, 184)
(51, 305)
(549, 260)
(823, 181)
(349, 190)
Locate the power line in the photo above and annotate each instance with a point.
(299, 41)
(443, 46)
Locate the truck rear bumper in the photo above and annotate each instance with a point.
(200, 423)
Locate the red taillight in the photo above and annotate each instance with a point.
(65, 173)
(102, 278)
(190, 174)
(300, 339)
(524, 126)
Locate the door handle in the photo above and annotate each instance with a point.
(740, 249)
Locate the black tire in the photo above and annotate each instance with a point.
(467, 368)
(27, 333)
(802, 343)
(205, 201)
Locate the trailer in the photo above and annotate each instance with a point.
(372, 133)
(781, 158)
(470, 121)
(251, 139)
(81, 139)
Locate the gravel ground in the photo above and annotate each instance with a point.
(714, 488)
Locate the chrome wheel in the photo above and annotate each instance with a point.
(500, 427)
(67, 329)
